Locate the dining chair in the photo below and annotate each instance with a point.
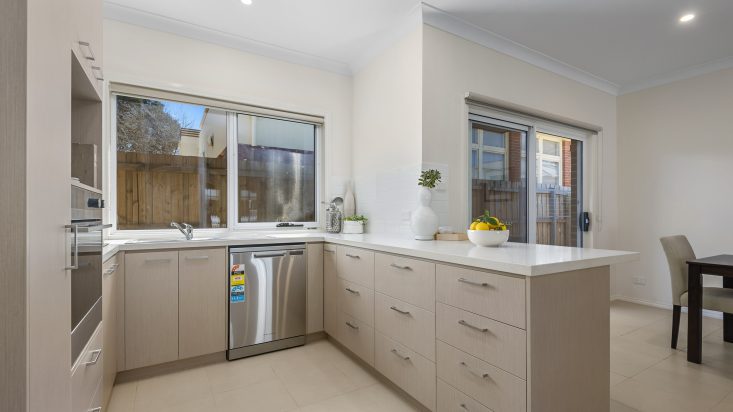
(678, 251)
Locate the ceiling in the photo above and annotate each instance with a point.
(625, 43)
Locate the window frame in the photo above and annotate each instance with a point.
(542, 156)
(231, 109)
(481, 148)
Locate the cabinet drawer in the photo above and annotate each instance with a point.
(86, 375)
(413, 373)
(330, 289)
(356, 265)
(409, 280)
(357, 336)
(356, 300)
(494, 342)
(451, 399)
(495, 296)
(498, 390)
(96, 405)
(407, 324)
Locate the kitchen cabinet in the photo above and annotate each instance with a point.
(151, 308)
(330, 297)
(314, 299)
(112, 334)
(202, 302)
(86, 40)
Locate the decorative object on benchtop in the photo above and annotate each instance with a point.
(487, 230)
(333, 216)
(424, 221)
(355, 224)
(349, 203)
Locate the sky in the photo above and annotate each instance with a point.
(187, 115)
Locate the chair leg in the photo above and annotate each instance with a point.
(675, 324)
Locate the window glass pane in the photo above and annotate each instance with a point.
(550, 172)
(276, 166)
(550, 147)
(494, 139)
(474, 135)
(171, 164)
(499, 182)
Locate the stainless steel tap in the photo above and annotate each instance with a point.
(185, 228)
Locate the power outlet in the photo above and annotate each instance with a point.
(639, 280)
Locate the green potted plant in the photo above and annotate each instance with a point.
(354, 224)
(424, 221)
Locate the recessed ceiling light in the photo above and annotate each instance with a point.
(246, 2)
(683, 19)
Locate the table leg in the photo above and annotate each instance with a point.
(694, 314)
(728, 317)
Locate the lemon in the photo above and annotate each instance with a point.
(473, 226)
(482, 226)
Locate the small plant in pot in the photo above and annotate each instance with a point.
(354, 224)
(424, 221)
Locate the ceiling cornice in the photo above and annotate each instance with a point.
(677, 75)
(445, 21)
(158, 22)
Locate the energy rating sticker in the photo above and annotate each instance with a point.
(236, 279)
(236, 293)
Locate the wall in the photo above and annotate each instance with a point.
(13, 373)
(387, 134)
(453, 66)
(151, 58)
(675, 146)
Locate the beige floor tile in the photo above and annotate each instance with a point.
(309, 382)
(616, 378)
(649, 397)
(226, 376)
(617, 406)
(726, 405)
(169, 390)
(375, 398)
(123, 397)
(629, 357)
(267, 396)
(355, 373)
(635, 314)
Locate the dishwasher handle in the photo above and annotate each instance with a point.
(268, 255)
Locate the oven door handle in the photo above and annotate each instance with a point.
(75, 256)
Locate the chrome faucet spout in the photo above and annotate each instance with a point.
(184, 228)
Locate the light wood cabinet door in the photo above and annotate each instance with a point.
(330, 296)
(315, 288)
(151, 308)
(202, 281)
(110, 273)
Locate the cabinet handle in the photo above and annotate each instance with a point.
(468, 325)
(112, 269)
(329, 251)
(197, 257)
(89, 56)
(470, 282)
(472, 372)
(161, 260)
(353, 256)
(355, 292)
(95, 357)
(398, 354)
(75, 264)
(404, 312)
(352, 326)
(394, 265)
(97, 409)
(100, 74)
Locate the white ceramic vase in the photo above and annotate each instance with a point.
(424, 221)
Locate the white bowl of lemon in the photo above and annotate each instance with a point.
(487, 230)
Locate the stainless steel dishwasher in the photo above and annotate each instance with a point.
(267, 298)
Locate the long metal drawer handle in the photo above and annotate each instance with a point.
(329, 251)
(355, 292)
(352, 326)
(470, 282)
(197, 257)
(394, 265)
(89, 47)
(75, 264)
(480, 375)
(95, 357)
(353, 256)
(97, 409)
(404, 312)
(268, 255)
(161, 260)
(468, 325)
(112, 269)
(403, 357)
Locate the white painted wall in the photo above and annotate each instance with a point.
(149, 58)
(675, 163)
(453, 66)
(387, 148)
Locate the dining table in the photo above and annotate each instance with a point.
(720, 265)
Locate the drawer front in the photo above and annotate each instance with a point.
(356, 300)
(96, 404)
(413, 373)
(330, 288)
(409, 280)
(494, 342)
(451, 399)
(87, 373)
(495, 296)
(407, 324)
(498, 390)
(356, 265)
(357, 336)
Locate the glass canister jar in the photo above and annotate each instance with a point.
(333, 219)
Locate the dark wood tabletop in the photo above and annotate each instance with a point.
(719, 260)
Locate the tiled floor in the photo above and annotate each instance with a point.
(646, 375)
